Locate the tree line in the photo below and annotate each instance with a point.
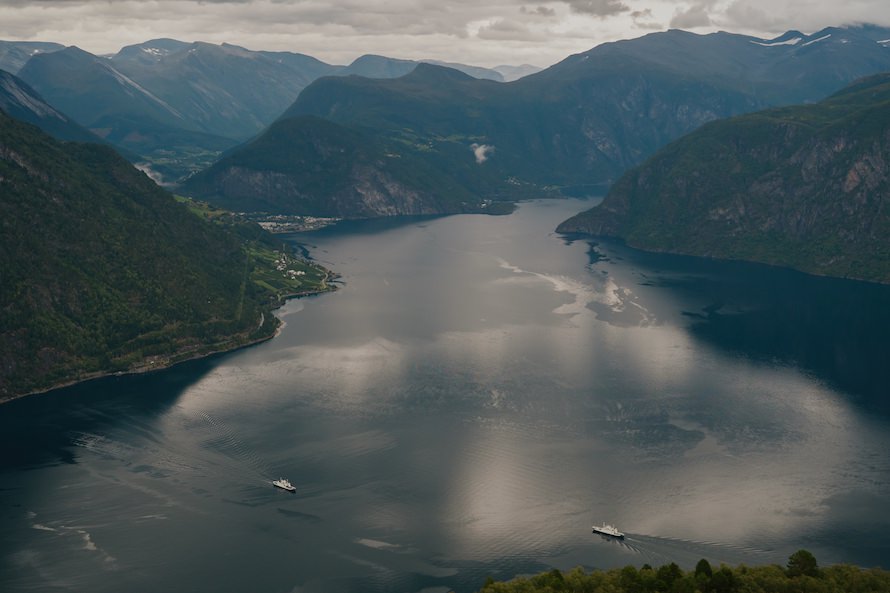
(802, 574)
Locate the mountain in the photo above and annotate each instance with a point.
(307, 165)
(178, 105)
(20, 101)
(581, 123)
(806, 187)
(474, 71)
(373, 66)
(548, 129)
(224, 90)
(91, 90)
(122, 111)
(14, 54)
(103, 271)
(789, 69)
(148, 53)
(304, 164)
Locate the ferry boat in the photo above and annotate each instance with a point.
(609, 530)
(284, 484)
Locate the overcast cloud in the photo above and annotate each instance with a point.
(469, 31)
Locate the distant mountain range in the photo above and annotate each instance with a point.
(806, 187)
(575, 127)
(179, 104)
(581, 122)
(437, 140)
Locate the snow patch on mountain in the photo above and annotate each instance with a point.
(793, 41)
(823, 38)
(128, 82)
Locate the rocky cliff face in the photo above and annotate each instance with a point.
(805, 187)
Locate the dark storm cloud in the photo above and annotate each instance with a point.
(600, 8)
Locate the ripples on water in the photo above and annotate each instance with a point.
(476, 396)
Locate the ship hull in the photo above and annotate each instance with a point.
(286, 487)
(608, 533)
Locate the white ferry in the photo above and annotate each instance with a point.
(284, 484)
(609, 530)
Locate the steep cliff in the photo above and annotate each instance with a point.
(806, 187)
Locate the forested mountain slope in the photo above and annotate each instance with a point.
(103, 271)
(806, 187)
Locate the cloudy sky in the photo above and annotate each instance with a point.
(484, 32)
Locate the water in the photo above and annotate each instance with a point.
(478, 393)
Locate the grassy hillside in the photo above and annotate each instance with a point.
(103, 271)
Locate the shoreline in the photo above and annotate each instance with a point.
(173, 360)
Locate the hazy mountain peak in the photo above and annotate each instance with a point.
(150, 52)
(75, 52)
(511, 73)
(428, 72)
(375, 66)
(366, 58)
(14, 54)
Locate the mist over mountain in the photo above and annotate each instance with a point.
(806, 187)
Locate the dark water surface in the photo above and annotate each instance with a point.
(477, 395)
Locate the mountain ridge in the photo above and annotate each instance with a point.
(585, 120)
(178, 104)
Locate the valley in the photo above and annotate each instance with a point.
(645, 285)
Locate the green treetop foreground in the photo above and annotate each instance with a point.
(801, 575)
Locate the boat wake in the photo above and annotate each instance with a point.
(225, 441)
(657, 550)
